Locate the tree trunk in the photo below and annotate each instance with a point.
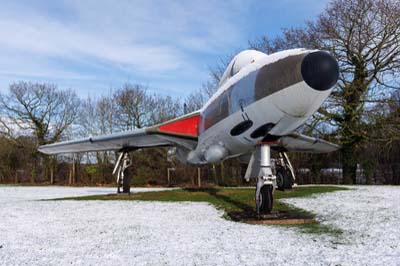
(168, 177)
(70, 177)
(52, 166)
(222, 174)
(33, 173)
(51, 174)
(46, 167)
(349, 164)
(199, 176)
(214, 171)
(193, 180)
(73, 171)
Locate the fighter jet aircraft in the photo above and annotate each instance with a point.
(260, 101)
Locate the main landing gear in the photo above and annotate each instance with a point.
(284, 172)
(266, 180)
(121, 169)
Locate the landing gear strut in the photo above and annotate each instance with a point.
(266, 181)
(284, 172)
(121, 169)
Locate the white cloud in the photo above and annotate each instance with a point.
(111, 42)
(143, 36)
(55, 40)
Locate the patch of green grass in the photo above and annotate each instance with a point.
(237, 203)
(318, 229)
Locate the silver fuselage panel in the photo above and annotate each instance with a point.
(269, 92)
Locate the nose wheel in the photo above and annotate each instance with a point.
(265, 200)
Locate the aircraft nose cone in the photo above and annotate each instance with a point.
(320, 70)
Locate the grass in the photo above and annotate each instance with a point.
(237, 203)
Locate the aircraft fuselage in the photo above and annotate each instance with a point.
(265, 97)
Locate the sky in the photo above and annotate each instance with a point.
(94, 47)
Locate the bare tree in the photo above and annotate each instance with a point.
(98, 117)
(38, 109)
(198, 98)
(106, 109)
(88, 121)
(163, 108)
(133, 106)
(290, 38)
(364, 36)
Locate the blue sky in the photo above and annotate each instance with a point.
(94, 46)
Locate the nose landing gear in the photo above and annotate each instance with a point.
(266, 180)
(260, 167)
(264, 197)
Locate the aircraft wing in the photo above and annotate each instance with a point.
(302, 143)
(178, 132)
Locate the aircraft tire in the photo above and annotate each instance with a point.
(266, 199)
(280, 178)
(283, 179)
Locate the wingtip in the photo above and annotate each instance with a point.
(42, 149)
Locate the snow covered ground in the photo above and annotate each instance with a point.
(154, 233)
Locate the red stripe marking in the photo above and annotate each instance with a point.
(188, 126)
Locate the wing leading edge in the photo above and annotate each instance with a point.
(177, 132)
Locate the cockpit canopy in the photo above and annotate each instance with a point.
(241, 60)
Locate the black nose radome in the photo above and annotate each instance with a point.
(320, 70)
